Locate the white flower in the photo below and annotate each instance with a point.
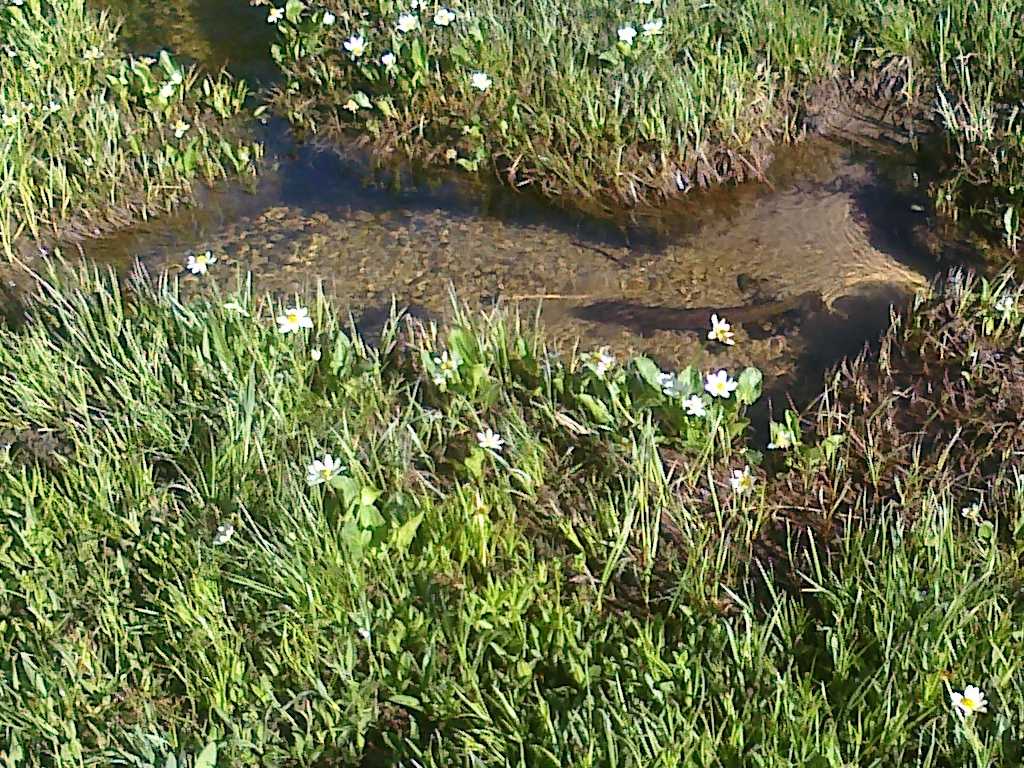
(972, 511)
(92, 53)
(53, 107)
(234, 306)
(199, 264)
(315, 354)
(721, 331)
(490, 440)
(600, 362)
(8, 119)
(364, 633)
(451, 154)
(293, 319)
(166, 91)
(351, 106)
(177, 78)
(180, 128)
(223, 534)
(275, 15)
(742, 481)
(652, 28)
(667, 382)
(1005, 305)
(720, 384)
(645, 2)
(322, 470)
(480, 80)
(971, 701)
(627, 34)
(694, 406)
(11, 51)
(388, 60)
(355, 45)
(448, 364)
(328, 19)
(407, 22)
(443, 17)
(782, 438)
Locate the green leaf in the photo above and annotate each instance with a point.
(408, 702)
(831, 444)
(598, 410)
(477, 375)
(293, 10)
(385, 106)
(419, 56)
(368, 495)
(690, 381)
(749, 389)
(208, 757)
(648, 371)
(349, 488)
(406, 532)
(369, 517)
(464, 345)
(475, 463)
(355, 539)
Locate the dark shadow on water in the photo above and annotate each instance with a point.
(855, 324)
(216, 34)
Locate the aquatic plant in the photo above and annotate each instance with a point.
(90, 136)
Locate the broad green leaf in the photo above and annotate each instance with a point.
(649, 372)
(370, 517)
(406, 532)
(598, 410)
(293, 10)
(749, 389)
(208, 757)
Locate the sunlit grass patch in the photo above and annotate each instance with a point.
(90, 136)
(624, 102)
(458, 548)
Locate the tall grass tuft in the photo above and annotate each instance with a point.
(593, 591)
(626, 102)
(90, 137)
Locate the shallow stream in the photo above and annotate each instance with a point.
(805, 265)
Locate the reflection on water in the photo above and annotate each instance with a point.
(806, 266)
(214, 33)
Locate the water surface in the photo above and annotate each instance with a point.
(807, 264)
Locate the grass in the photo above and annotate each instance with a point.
(90, 137)
(579, 114)
(595, 593)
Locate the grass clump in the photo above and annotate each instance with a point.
(90, 137)
(624, 102)
(187, 578)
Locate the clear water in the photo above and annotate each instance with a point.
(807, 265)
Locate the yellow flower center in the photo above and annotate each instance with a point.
(325, 473)
(293, 317)
(968, 702)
